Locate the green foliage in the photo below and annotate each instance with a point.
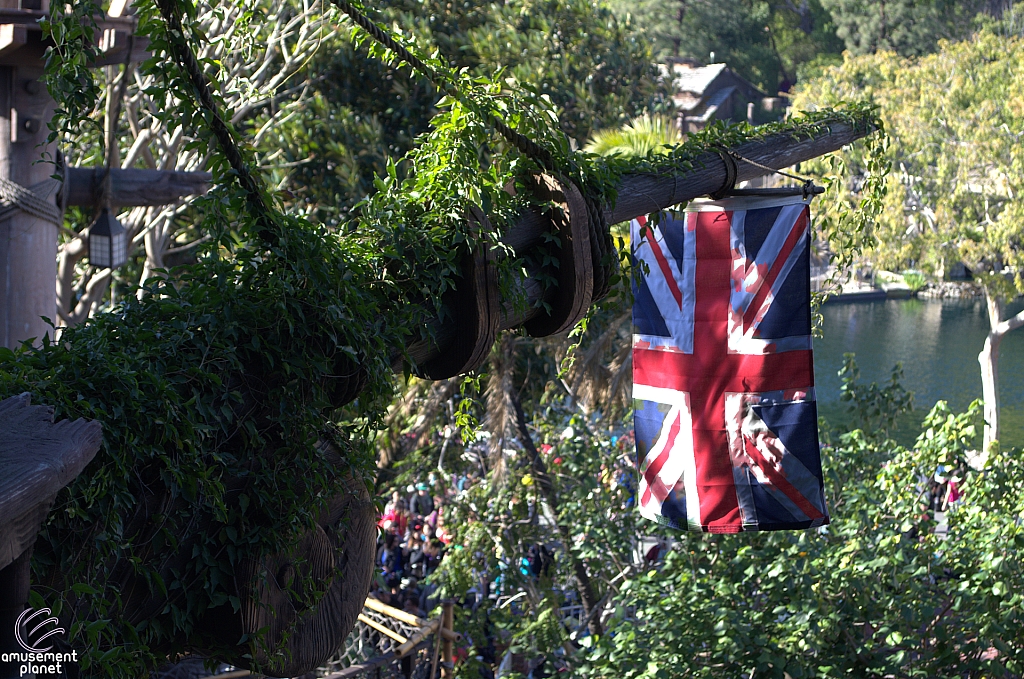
(846, 219)
(875, 409)
(955, 119)
(907, 27)
(357, 111)
(640, 137)
(212, 393)
(915, 280)
(68, 75)
(877, 594)
(596, 68)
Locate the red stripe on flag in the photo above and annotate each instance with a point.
(666, 271)
(652, 471)
(729, 372)
(780, 481)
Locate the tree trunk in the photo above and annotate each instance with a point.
(989, 360)
(586, 588)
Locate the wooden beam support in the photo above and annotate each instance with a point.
(642, 194)
(133, 187)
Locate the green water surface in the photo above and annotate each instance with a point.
(937, 342)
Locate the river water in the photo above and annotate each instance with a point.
(937, 342)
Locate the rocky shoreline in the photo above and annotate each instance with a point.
(951, 290)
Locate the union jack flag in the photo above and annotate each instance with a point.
(723, 381)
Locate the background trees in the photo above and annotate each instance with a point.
(907, 27)
(776, 43)
(596, 68)
(325, 118)
(956, 121)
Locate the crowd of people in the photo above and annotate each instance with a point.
(412, 543)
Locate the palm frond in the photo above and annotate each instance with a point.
(412, 417)
(640, 137)
(601, 376)
(499, 418)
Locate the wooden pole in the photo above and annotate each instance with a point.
(447, 654)
(131, 186)
(641, 194)
(28, 244)
(14, 587)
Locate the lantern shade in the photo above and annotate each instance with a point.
(108, 242)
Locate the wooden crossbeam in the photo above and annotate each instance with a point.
(642, 194)
(132, 187)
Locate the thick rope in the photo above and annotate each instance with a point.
(730, 174)
(606, 263)
(16, 198)
(188, 63)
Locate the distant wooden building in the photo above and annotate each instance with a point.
(715, 92)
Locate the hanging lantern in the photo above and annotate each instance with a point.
(108, 242)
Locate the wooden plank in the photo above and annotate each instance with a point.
(418, 638)
(112, 36)
(30, 18)
(37, 459)
(116, 56)
(398, 614)
(387, 631)
(133, 187)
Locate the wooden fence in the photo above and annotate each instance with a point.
(386, 643)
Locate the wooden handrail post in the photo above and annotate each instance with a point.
(447, 654)
(38, 458)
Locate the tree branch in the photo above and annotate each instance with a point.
(1009, 324)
